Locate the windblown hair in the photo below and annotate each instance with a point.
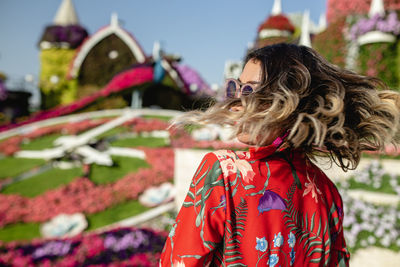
(326, 109)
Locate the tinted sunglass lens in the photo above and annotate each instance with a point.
(247, 89)
(230, 89)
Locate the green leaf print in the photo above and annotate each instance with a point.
(303, 227)
(211, 176)
(233, 232)
(262, 191)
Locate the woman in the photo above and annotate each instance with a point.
(270, 205)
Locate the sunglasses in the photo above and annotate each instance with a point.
(235, 89)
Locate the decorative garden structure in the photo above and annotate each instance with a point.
(376, 37)
(58, 46)
(361, 36)
(276, 28)
(86, 64)
(371, 194)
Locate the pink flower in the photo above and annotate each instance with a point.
(311, 187)
(228, 167)
(242, 154)
(245, 170)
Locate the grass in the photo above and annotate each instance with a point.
(40, 183)
(122, 166)
(191, 127)
(112, 132)
(380, 156)
(160, 117)
(20, 231)
(40, 143)
(140, 141)
(115, 213)
(11, 167)
(384, 188)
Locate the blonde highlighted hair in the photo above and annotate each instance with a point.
(325, 109)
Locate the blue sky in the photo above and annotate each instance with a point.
(205, 33)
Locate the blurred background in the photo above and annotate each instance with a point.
(90, 174)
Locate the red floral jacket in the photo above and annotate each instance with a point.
(258, 208)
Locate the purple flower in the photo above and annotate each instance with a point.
(129, 240)
(53, 248)
(388, 24)
(194, 83)
(270, 201)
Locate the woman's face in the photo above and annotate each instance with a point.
(251, 74)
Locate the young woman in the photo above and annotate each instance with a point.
(270, 205)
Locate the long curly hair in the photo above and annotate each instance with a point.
(325, 109)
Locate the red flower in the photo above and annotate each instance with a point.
(278, 22)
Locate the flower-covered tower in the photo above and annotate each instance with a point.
(57, 49)
(277, 28)
(342, 8)
(376, 38)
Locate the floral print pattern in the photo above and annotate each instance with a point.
(273, 260)
(278, 240)
(270, 201)
(291, 240)
(255, 208)
(262, 244)
(311, 188)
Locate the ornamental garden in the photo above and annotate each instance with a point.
(89, 179)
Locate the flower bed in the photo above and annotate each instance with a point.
(118, 247)
(389, 24)
(11, 145)
(340, 8)
(373, 178)
(179, 137)
(366, 224)
(331, 43)
(125, 80)
(82, 195)
(379, 60)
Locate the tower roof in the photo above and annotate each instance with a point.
(276, 8)
(66, 14)
(305, 30)
(277, 22)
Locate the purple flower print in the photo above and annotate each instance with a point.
(270, 201)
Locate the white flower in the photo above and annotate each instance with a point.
(371, 240)
(386, 240)
(262, 244)
(278, 240)
(291, 240)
